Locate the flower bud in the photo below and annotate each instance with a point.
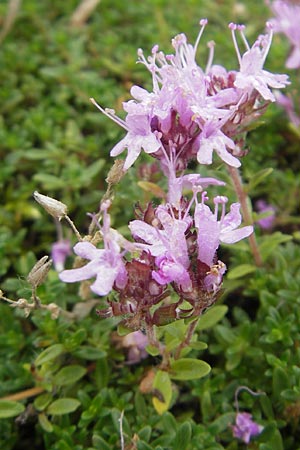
(39, 271)
(54, 207)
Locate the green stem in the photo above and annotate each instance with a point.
(246, 211)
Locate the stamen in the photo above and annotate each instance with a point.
(233, 28)
(241, 29)
(203, 23)
(269, 27)
(211, 46)
(110, 113)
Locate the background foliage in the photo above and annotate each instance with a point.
(53, 140)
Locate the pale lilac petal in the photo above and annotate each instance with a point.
(105, 280)
(293, 61)
(121, 278)
(208, 231)
(87, 250)
(233, 219)
(233, 236)
(194, 180)
(80, 274)
(132, 156)
(119, 147)
(144, 231)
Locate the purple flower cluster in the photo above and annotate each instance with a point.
(189, 114)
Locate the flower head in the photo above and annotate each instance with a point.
(245, 427)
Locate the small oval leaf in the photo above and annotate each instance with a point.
(42, 401)
(240, 271)
(69, 375)
(212, 316)
(49, 354)
(189, 369)
(63, 406)
(162, 383)
(9, 408)
(45, 423)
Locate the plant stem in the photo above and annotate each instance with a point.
(188, 338)
(71, 223)
(246, 211)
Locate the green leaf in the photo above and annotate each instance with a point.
(145, 433)
(221, 423)
(49, 182)
(49, 354)
(9, 408)
(240, 271)
(69, 375)
(42, 401)
(212, 316)
(280, 381)
(123, 330)
(189, 369)
(45, 423)
(271, 242)
(152, 350)
(266, 405)
(162, 383)
(258, 178)
(63, 406)
(183, 436)
(99, 443)
(198, 345)
(89, 353)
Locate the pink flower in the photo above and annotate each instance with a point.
(211, 139)
(252, 75)
(245, 427)
(167, 244)
(59, 253)
(106, 265)
(136, 343)
(263, 207)
(286, 21)
(212, 231)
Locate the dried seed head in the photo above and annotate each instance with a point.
(39, 271)
(54, 207)
(116, 173)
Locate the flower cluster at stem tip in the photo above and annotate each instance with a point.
(189, 114)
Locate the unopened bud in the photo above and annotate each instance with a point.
(39, 271)
(54, 207)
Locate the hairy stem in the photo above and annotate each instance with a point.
(246, 211)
